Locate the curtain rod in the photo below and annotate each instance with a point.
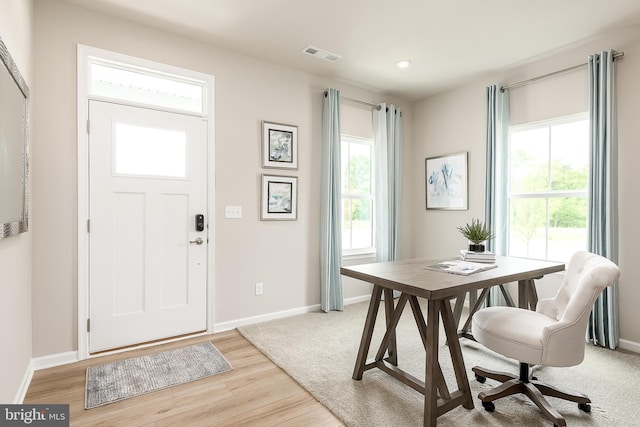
(544, 76)
(357, 101)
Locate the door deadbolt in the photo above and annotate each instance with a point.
(198, 241)
(199, 222)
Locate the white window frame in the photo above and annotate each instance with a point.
(548, 194)
(348, 254)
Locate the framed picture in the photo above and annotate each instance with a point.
(279, 146)
(447, 182)
(279, 198)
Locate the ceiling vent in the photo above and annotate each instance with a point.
(321, 54)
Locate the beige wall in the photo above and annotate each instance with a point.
(455, 121)
(247, 92)
(282, 255)
(15, 252)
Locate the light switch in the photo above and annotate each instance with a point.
(233, 211)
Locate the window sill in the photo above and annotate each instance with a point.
(355, 256)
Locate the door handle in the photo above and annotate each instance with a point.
(198, 241)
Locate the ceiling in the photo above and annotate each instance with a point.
(448, 41)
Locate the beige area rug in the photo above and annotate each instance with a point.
(112, 382)
(319, 349)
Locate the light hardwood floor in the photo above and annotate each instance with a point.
(255, 393)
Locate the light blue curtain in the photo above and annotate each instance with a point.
(388, 135)
(603, 192)
(495, 193)
(495, 205)
(330, 200)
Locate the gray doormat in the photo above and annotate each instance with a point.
(116, 381)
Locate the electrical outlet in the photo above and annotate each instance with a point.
(259, 288)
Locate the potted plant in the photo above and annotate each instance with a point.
(477, 233)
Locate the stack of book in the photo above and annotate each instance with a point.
(486, 256)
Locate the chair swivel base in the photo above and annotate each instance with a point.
(533, 389)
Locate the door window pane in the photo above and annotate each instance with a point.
(145, 151)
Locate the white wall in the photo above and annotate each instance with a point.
(455, 121)
(15, 252)
(281, 254)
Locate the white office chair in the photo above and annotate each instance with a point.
(553, 335)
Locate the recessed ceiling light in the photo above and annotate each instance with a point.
(405, 63)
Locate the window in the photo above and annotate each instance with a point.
(547, 196)
(357, 195)
(145, 86)
(144, 151)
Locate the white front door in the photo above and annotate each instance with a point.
(147, 245)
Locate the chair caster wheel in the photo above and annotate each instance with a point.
(480, 378)
(489, 406)
(584, 407)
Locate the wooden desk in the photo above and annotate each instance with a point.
(413, 281)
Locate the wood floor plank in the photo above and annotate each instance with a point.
(255, 393)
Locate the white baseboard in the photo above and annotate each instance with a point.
(355, 300)
(52, 360)
(24, 384)
(630, 346)
(42, 363)
(232, 324)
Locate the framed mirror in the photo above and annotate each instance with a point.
(14, 162)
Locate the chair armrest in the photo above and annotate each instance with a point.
(563, 344)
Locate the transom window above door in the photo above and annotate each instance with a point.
(141, 86)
